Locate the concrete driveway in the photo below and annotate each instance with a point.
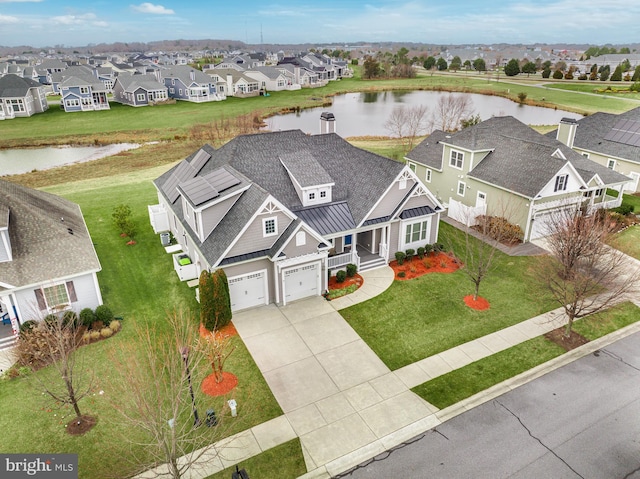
(338, 396)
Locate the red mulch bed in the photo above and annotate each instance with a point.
(226, 332)
(479, 304)
(78, 426)
(573, 341)
(432, 263)
(212, 388)
(333, 283)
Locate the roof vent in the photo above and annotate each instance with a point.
(70, 231)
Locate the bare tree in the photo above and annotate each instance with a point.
(55, 341)
(583, 274)
(218, 348)
(407, 123)
(154, 396)
(223, 129)
(450, 110)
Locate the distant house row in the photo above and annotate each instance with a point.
(86, 87)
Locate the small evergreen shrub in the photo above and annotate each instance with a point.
(352, 269)
(28, 326)
(70, 318)
(400, 257)
(401, 274)
(421, 251)
(410, 253)
(438, 247)
(341, 276)
(624, 209)
(51, 320)
(427, 249)
(104, 314)
(87, 316)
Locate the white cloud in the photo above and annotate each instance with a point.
(151, 8)
(74, 19)
(6, 19)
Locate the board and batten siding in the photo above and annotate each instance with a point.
(253, 238)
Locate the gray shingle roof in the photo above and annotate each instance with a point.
(49, 238)
(519, 159)
(592, 130)
(360, 179)
(184, 73)
(306, 170)
(130, 83)
(429, 151)
(14, 86)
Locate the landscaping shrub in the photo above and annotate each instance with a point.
(95, 335)
(401, 274)
(427, 249)
(106, 332)
(421, 251)
(410, 253)
(427, 263)
(115, 325)
(28, 326)
(352, 269)
(500, 229)
(104, 314)
(400, 256)
(624, 209)
(341, 276)
(86, 337)
(121, 216)
(438, 247)
(51, 320)
(222, 299)
(70, 318)
(87, 317)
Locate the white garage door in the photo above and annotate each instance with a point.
(543, 224)
(301, 282)
(248, 291)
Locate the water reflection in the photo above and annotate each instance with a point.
(362, 114)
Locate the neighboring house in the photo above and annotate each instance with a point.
(501, 167)
(279, 210)
(47, 260)
(269, 78)
(21, 97)
(610, 140)
(83, 93)
(187, 83)
(234, 83)
(138, 90)
(299, 75)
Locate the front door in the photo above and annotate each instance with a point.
(481, 199)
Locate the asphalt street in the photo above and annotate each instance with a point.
(579, 421)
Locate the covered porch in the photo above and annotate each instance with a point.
(367, 249)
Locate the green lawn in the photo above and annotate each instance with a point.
(628, 241)
(620, 89)
(418, 318)
(139, 283)
(462, 383)
(632, 200)
(284, 461)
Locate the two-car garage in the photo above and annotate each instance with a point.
(252, 289)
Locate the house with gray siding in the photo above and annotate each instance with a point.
(47, 261)
(188, 84)
(611, 140)
(279, 211)
(502, 167)
(21, 97)
(138, 90)
(83, 92)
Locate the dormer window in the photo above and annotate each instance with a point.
(312, 196)
(270, 226)
(323, 194)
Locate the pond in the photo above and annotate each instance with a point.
(18, 161)
(364, 114)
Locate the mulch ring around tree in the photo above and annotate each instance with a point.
(228, 331)
(573, 341)
(479, 304)
(431, 263)
(212, 388)
(78, 426)
(357, 280)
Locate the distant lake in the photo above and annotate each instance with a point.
(364, 114)
(18, 161)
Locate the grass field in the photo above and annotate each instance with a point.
(462, 383)
(421, 317)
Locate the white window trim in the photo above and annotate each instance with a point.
(140, 96)
(451, 164)
(264, 226)
(611, 164)
(421, 241)
(54, 308)
(427, 175)
(412, 166)
(464, 188)
(301, 238)
(561, 183)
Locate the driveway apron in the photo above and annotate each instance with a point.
(337, 394)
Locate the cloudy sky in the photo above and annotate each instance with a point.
(82, 22)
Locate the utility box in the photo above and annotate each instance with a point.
(233, 405)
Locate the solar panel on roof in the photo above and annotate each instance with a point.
(198, 161)
(198, 190)
(222, 179)
(184, 171)
(626, 132)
